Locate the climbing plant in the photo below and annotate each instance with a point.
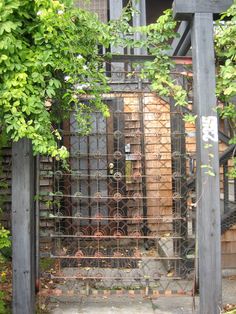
(158, 42)
(157, 38)
(48, 59)
(225, 37)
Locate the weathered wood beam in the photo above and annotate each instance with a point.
(23, 228)
(180, 46)
(184, 10)
(208, 189)
(115, 9)
(139, 19)
(115, 12)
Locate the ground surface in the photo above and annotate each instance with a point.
(123, 305)
(138, 305)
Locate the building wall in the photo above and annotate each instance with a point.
(157, 173)
(228, 242)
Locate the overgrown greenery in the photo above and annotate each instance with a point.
(156, 38)
(225, 37)
(49, 57)
(5, 286)
(4, 238)
(226, 80)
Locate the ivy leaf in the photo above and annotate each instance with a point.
(189, 118)
(8, 27)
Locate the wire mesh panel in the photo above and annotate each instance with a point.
(122, 216)
(121, 211)
(228, 209)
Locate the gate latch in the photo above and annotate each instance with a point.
(111, 168)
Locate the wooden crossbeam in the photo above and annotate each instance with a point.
(181, 45)
(183, 10)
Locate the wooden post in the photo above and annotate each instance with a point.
(139, 19)
(208, 189)
(116, 70)
(23, 228)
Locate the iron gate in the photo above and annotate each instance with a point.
(121, 216)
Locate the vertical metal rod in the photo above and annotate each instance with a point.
(115, 11)
(144, 183)
(226, 187)
(139, 19)
(89, 182)
(234, 190)
(208, 187)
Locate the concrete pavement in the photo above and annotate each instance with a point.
(126, 305)
(137, 305)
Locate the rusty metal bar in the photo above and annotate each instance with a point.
(113, 237)
(158, 258)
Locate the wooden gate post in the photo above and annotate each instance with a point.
(208, 189)
(200, 12)
(23, 228)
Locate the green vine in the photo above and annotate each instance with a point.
(225, 35)
(158, 38)
(48, 59)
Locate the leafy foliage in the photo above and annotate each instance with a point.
(225, 35)
(158, 38)
(4, 238)
(48, 59)
(2, 303)
(226, 54)
(5, 285)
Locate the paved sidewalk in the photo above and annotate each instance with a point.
(125, 305)
(137, 305)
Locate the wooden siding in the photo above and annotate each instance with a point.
(228, 248)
